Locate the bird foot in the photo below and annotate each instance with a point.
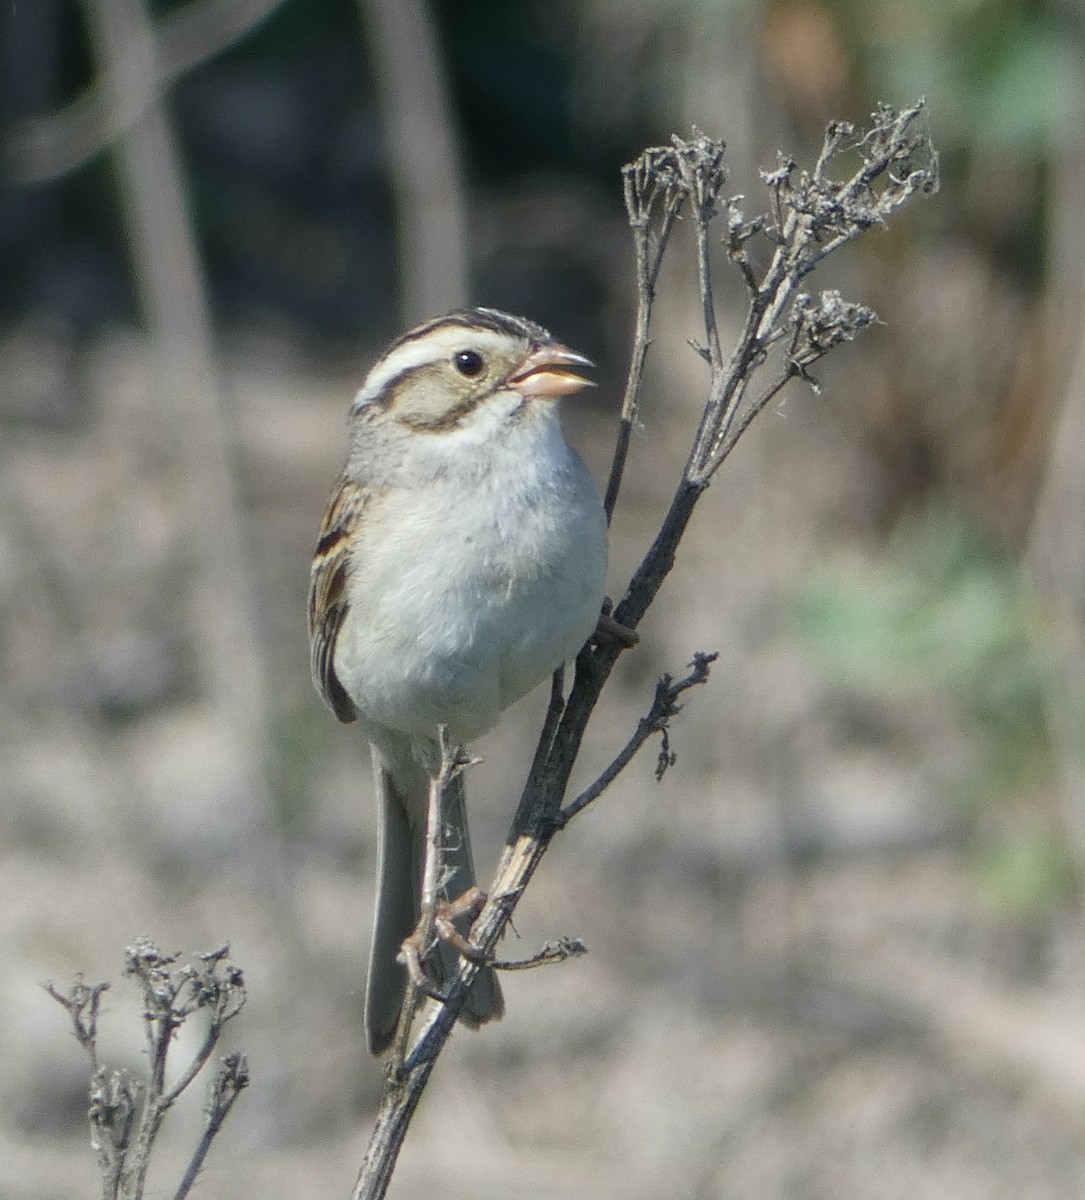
(446, 913)
(464, 908)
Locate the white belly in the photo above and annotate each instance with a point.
(461, 605)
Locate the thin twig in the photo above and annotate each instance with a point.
(642, 190)
(664, 706)
(227, 1004)
(434, 851)
(83, 1002)
(809, 212)
(552, 952)
(546, 740)
(231, 1080)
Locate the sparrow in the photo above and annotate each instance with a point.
(461, 560)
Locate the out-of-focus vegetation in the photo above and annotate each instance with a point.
(938, 613)
(941, 621)
(893, 573)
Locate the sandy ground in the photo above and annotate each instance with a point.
(794, 987)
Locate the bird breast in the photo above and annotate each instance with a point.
(473, 590)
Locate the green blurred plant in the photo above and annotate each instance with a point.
(1025, 875)
(999, 73)
(944, 620)
(939, 609)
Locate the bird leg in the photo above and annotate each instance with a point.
(437, 915)
(441, 925)
(411, 956)
(466, 908)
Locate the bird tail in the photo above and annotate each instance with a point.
(401, 808)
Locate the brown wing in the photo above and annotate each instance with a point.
(328, 593)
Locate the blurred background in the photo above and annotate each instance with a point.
(838, 951)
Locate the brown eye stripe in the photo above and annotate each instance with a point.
(392, 391)
(385, 400)
(447, 420)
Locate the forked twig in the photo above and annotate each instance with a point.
(664, 706)
(552, 952)
(784, 333)
(229, 1082)
(125, 1113)
(647, 187)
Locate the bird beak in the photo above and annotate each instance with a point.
(545, 372)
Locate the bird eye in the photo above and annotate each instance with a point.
(467, 362)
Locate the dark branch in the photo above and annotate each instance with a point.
(810, 216)
(657, 720)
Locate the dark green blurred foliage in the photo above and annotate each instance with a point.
(1002, 79)
(1025, 874)
(940, 610)
(998, 72)
(283, 148)
(941, 626)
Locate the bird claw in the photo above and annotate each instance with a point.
(464, 908)
(417, 945)
(410, 955)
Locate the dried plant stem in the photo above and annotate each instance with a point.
(171, 994)
(405, 1087)
(649, 246)
(812, 215)
(232, 1079)
(664, 706)
(552, 952)
(453, 759)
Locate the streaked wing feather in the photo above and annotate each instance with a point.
(328, 601)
